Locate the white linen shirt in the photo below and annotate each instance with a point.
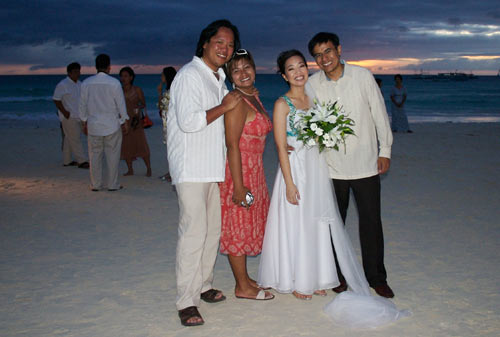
(68, 92)
(196, 151)
(360, 96)
(102, 104)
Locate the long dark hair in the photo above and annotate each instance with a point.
(169, 73)
(211, 30)
(130, 71)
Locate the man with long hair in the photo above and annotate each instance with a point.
(197, 157)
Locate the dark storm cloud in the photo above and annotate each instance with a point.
(49, 33)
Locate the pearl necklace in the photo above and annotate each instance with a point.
(244, 93)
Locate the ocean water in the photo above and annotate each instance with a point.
(29, 98)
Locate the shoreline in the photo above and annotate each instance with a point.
(427, 119)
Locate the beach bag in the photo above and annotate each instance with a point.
(146, 122)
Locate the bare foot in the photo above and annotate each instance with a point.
(301, 296)
(190, 316)
(251, 293)
(148, 172)
(129, 173)
(195, 320)
(253, 283)
(320, 292)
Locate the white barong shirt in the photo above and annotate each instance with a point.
(362, 101)
(196, 151)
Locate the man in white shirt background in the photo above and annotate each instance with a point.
(367, 154)
(197, 158)
(102, 111)
(66, 98)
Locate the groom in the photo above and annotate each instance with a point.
(367, 154)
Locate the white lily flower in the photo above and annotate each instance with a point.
(311, 142)
(319, 117)
(331, 119)
(320, 113)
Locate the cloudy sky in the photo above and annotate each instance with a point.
(42, 36)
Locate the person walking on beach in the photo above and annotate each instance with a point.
(197, 159)
(358, 167)
(398, 113)
(66, 98)
(102, 111)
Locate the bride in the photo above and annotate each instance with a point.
(297, 254)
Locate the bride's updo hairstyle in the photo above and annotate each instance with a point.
(284, 56)
(240, 54)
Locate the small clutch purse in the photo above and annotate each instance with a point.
(146, 122)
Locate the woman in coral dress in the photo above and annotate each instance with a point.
(134, 142)
(243, 223)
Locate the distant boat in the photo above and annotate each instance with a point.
(451, 76)
(422, 76)
(455, 76)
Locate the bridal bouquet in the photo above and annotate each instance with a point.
(165, 99)
(325, 125)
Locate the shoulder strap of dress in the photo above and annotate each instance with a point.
(289, 102)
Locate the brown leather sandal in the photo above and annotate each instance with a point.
(209, 296)
(188, 313)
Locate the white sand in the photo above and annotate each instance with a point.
(80, 263)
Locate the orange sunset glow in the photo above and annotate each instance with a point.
(382, 67)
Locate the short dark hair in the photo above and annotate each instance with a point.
(169, 73)
(73, 66)
(398, 75)
(102, 62)
(243, 56)
(211, 30)
(130, 71)
(323, 37)
(284, 56)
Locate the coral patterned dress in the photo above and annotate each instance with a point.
(243, 229)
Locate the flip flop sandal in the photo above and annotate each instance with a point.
(209, 296)
(261, 296)
(190, 312)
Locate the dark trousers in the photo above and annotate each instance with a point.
(366, 193)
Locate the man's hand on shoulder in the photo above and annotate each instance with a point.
(230, 101)
(383, 165)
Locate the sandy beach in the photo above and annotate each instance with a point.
(80, 263)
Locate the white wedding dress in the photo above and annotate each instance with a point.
(297, 253)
